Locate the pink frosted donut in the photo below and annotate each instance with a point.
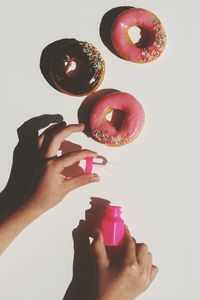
(151, 43)
(126, 122)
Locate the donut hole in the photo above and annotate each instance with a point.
(140, 37)
(115, 117)
(75, 68)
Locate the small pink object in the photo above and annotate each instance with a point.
(112, 226)
(89, 165)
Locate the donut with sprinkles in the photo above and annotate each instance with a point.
(153, 36)
(125, 123)
(77, 68)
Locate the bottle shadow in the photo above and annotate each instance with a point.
(83, 284)
(105, 29)
(25, 158)
(87, 105)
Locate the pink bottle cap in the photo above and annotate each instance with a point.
(89, 165)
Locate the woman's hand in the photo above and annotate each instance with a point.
(49, 186)
(129, 278)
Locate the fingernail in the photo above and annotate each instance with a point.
(95, 154)
(95, 177)
(92, 152)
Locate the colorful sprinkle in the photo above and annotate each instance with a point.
(155, 21)
(103, 137)
(94, 56)
(154, 51)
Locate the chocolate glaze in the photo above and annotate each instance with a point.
(76, 68)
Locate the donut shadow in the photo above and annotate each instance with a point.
(105, 29)
(46, 58)
(87, 105)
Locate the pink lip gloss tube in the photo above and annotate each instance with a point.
(112, 226)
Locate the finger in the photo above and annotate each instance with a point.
(45, 136)
(75, 182)
(130, 247)
(154, 272)
(149, 263)
(142, 254)
(71, 158)
(99, 251)
(81, 238)
(57, 138)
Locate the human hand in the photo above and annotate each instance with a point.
(82, 285)
(43, 185)
(127, 279)
(49, 186)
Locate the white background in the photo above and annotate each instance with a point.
(157, 178)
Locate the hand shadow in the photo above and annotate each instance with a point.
(25, 158)
(83, 284)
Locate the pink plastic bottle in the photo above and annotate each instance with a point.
(112, 226)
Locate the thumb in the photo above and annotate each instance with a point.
(80, 180)
(99, 251)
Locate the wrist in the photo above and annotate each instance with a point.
(33, 207)
(17, 222)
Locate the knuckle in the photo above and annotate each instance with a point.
(144, 278)
(144, 246)
(129, 266)
(126, 270)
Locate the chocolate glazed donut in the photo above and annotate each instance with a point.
(77, 68)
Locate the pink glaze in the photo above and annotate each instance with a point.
(89, 165)
(144, 19)
(131, 124)
(112, 226)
